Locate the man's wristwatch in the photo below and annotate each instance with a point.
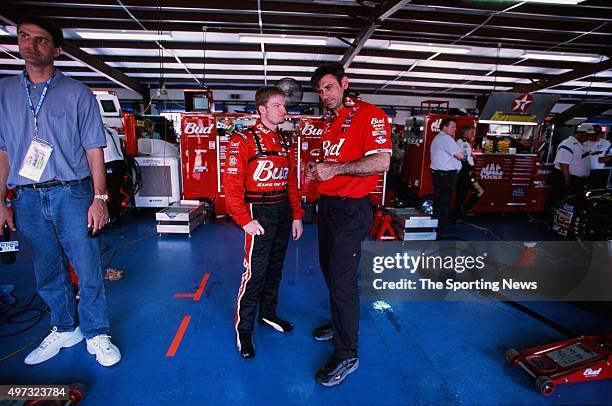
(103, 197)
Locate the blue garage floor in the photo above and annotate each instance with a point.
(410, 353)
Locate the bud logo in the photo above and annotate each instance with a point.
(310, 129)
(193, 128)
(377, 122)
(332, 150)
(491, 171)
(435, 125)
(265, 171)
(591, 373)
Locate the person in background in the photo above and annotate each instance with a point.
(573, 164)
(464, 182)
(51, 141)
(446, 162)
(597, 147)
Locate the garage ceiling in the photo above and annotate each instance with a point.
(203, 46)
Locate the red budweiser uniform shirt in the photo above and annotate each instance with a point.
(265, 174)
(354, 133)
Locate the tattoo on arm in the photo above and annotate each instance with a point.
(367, 165)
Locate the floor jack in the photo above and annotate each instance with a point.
(581, 359)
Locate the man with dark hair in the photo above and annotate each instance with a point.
(260, 184)
(356, 145)
(51, 140)
(446, 158)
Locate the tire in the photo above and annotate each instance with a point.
(544, 385)
(210, 208)
(512, 355)
(426, 204)
(593, 221)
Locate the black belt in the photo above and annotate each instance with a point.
(443, 172)
(49, 184)
(265, 197)
(335, 197)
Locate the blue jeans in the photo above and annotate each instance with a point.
(53, 221)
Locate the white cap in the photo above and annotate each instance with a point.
(586, 128)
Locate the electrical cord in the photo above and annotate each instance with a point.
(119, 248)
(17, 351)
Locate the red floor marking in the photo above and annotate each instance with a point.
(198, 294)
(200, 290)
(178, 337)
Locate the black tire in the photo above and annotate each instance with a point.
(512, 355)
(544, 385)
(210, 208)
(426, 204)
(593, 220)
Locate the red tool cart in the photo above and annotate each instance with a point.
(515, 165)
(575, 360)
(204, 142)
(420, 131)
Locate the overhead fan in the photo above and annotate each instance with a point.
(292, 89)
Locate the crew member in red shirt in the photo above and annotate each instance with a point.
(262, 196)
(356, 145)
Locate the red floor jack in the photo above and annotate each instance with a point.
(575, 360)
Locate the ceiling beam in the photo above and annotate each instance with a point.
(386, 10)
(95, 64)
(577, 73)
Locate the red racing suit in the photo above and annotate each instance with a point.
(261, 184)
(259, 169)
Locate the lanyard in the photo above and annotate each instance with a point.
(36, 110)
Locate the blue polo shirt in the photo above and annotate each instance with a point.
(69, 119)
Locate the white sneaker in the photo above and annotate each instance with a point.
(52, 344)
(106, 353)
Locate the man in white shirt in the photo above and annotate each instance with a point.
(446, 157)
(573, 163)
(598, 147)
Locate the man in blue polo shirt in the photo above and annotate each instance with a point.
(51, 140)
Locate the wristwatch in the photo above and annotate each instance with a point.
(103, 197)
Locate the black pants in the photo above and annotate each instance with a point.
(343, 224)
(463, 186)
(263, 263)
(444, 184)
(599, 178)
(115, 171)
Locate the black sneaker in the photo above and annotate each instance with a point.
(276, 323)
(245, 346)
(335, 370)
(324, 332)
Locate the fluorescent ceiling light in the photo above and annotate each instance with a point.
(570, 2)
(443, 49)
(560, 56)
(128, 35)
(282, 39)
(4, 31)
(507, 122)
